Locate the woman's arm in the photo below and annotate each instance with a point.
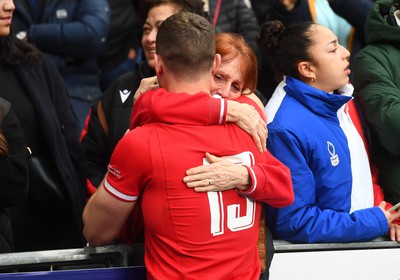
(202, 109)
(269, 182)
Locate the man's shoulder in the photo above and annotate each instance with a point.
(136, 142)
(141, 134)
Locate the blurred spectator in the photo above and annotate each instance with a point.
(235, 16)
(377, 85)
(13, 167)
(122, 42)
(72, 34)
(262, 8)
(336, 196)
(35, 88)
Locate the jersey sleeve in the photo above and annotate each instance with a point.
(271, 182)
(159, 106)
(130, 166)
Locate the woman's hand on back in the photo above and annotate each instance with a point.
(219, 175)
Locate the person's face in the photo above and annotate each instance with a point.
(331, 66)
(6, 10)
(155, 17)
(227, 81)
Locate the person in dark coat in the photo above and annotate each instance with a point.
(13, 171)
(102, 135)
(72, 34)
(36, 89)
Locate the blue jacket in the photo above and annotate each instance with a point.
(72, 34)
(311, 133)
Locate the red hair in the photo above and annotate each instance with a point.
(233, 45)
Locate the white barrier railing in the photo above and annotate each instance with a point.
(374, 260)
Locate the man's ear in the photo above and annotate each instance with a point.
(216, 63)
(158, 65)
(307, 70)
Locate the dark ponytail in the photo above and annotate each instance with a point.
(269, 36)
(285, 47)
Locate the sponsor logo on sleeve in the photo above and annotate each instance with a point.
(124, 94)
(114, 171)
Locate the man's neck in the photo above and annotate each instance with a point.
(190, 87)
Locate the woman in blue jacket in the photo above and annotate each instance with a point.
(312, 130)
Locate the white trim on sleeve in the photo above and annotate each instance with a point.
(221, 112)
(254, 181)
(118, 194)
